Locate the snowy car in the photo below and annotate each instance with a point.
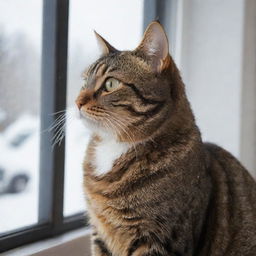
(18, 142)
(19, 153)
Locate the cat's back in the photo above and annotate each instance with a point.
(231, 227)
(224, 165)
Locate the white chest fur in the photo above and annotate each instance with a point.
(106, 152)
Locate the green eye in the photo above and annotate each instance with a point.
(112, 84)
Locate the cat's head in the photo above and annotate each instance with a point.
(129, 93)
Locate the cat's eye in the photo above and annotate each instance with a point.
(112, 84)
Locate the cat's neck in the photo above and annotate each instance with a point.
(106, 151)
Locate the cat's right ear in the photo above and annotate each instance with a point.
(104, 46)
(155, 46)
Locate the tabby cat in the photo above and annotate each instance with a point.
(152, 187)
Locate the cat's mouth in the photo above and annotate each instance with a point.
(94, 114)
(90, 117)
(104, 122)
(95, 119)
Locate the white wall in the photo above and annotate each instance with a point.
(248, 115)
(210, 56)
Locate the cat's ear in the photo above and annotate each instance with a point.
(104, 46)
(155, 46)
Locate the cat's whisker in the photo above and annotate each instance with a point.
(125, 118)
(114, 126)
(120, 124)
(58, 112)
(57, 130)
(62, 135)
(116, 129)
(124, 122)
(60, 129)
(110, 126)
(57, 135)
(56, 122)
(123, 128)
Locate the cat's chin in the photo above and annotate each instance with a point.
(89, 123)
(95, 127)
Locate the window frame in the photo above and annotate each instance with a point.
(51, 221)
(53, 99)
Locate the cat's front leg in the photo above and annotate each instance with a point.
(153, 248)
(99, 248)
(149, 252)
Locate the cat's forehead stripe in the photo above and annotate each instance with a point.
(90, 71)
(111, 69)
(96, 68)
(100, 69)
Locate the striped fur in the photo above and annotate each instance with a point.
(167, 193)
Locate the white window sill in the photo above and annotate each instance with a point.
(75, 243)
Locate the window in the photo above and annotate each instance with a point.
(57, 204)
(37, 212)
(20, 64)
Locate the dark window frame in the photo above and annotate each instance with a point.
(53, 99)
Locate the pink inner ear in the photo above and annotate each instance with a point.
(104, 45)
(155, 44)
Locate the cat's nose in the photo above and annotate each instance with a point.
(83, 99)
(79, 104)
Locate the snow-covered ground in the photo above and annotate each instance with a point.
(21, 209)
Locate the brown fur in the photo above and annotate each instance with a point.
(170, 194)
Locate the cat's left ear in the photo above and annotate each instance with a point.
(155, 46)
(105, 46)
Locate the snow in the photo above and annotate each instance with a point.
(19, 210)
(2, 115)
(26, 156)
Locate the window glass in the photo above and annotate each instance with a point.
(112, 19)
(20, 60)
